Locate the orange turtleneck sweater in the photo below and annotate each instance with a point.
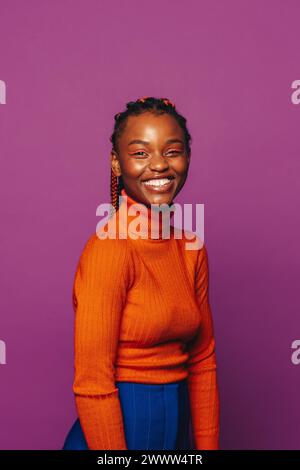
(142, 314)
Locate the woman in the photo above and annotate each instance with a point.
(145, 362)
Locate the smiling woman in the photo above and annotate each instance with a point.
(145, 361)
(151, 151)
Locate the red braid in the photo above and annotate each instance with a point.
(114, 190)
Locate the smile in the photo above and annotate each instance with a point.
(162, 184)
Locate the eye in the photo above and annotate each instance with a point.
(138, 153)
(174, 152)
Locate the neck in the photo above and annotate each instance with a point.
(145, 222)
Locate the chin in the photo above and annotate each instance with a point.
(153, 196)
(160, 198)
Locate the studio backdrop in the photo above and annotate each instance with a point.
(232, 68)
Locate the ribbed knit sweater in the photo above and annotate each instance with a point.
(142, 314)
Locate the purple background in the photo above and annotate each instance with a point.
(69, 66)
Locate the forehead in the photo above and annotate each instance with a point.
(151, 127)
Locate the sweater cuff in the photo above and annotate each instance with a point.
(207, 442)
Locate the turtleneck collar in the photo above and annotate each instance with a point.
(138, 222)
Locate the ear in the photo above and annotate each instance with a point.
(115, 164)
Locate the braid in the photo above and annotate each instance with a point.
(116, 185)
(134, 108)
(113, 190)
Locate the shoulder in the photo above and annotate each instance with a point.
(111, 250)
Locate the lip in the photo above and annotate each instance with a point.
(159, 189)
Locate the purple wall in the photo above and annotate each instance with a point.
(228, 66)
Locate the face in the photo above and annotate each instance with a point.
(152, 158)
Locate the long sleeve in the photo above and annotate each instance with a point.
(99, 295)
(202, 367)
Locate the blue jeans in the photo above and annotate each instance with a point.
(155, 416)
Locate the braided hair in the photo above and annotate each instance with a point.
(134, 108)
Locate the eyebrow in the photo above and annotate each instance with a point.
(169, 141)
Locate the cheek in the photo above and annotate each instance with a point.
(134, 168)
(180, 166)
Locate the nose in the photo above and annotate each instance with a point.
(158, 162)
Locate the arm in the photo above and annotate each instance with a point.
(202, 367)
(99, 296)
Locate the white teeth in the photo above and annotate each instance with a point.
(161, 182)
